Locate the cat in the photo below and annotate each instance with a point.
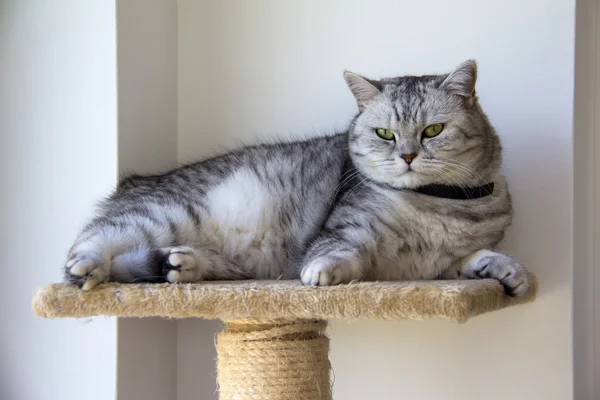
(412, 190)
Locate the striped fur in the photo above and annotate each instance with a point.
(327, 210)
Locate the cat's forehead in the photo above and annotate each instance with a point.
(409, 86)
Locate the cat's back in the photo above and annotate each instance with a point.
(272, 161)
(303, 160)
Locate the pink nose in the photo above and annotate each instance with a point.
(408, 157)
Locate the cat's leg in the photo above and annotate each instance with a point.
(86, 269)
(112, 252)
(341, 253)
(116, 249)
(331, 261)
(189, 264)
(490, 264)
(332, 269)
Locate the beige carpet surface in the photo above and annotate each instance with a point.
(280, 300)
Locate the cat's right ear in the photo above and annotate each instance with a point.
(363, 89)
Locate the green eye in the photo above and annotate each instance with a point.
(385, 134)
(433, 130)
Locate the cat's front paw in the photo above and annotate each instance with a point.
(180, 264)
(326, 271)
(489, 264)
(86, 271)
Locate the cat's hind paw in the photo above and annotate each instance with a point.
(180, 265)
(85, 271)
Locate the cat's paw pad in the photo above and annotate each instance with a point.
(180, 265)
(85, 271)
(488, 264)
(326, 271)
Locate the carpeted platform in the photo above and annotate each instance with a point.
(280, 300)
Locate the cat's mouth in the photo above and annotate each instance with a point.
(410, 169)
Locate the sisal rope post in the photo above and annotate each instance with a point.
(273, 361)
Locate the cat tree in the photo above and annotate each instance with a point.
(274, 346)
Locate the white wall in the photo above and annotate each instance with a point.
(58, 155)
(248, 70)
(196, 359)
(147, 94)
(263, 68)
(147, 79)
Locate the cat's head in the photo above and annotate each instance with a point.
(416, 130)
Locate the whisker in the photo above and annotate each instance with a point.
(354, 188)
(467, 169)
(471, 176)
(473, 172)
(458, 184)
(351, 174)
(340, 185)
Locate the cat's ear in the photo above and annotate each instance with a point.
(363, 89)
(462, 80)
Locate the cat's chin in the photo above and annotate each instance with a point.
(410, 180)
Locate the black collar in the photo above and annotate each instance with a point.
(457, 192)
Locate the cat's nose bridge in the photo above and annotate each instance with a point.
(408, 146)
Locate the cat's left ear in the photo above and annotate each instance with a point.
(462, 80)
(363, 89)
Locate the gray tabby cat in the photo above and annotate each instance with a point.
(328, 210)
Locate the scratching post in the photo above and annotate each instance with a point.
(274, 345)
(279, 361)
